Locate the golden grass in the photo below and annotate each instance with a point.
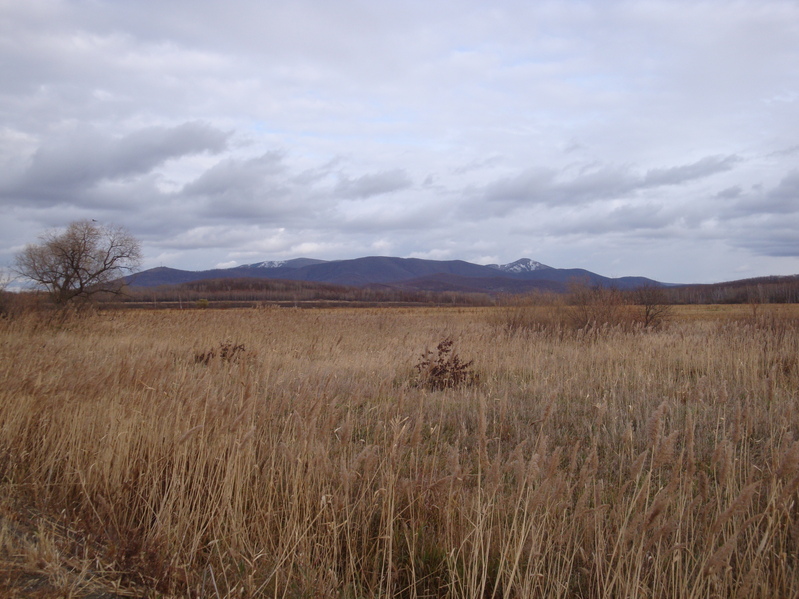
(609, 463)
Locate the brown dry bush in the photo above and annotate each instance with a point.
(444, 369)
(534, 312)
(594, 307)
(226, 352)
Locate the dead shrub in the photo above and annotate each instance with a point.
(444, 369)
(226, 352)
(593, 307)
(654, 305)
(533, 312)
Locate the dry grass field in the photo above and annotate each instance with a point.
(300, 453)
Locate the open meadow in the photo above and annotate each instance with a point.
(282, 452)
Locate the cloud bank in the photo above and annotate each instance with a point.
(625, 137)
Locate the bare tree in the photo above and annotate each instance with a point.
(655, 304)
(86, 259)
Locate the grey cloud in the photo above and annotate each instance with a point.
(779, 245)
(317, 174)
(541, 186)
(247, 188)
(394, 218)
(413, 222)
(77, 163)
(774, 235)
(234, 176)
(204, 236)
(552, 188)
(261, 189)
(676, 175)
(374, 184)
(781, 199)
(532, 185)
(598, 220)
(607, 182)
(144, 150)
(784, 152)
(784, 198)
(476, 165)
(730, 193)
(637, 217)
(765, 221)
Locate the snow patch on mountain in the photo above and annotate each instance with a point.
(294, 263)
(522, 265)
(267, 264)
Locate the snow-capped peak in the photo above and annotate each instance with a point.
(268, 264)
(522, 265)
(293, 263)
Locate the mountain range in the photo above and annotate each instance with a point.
(403, 273)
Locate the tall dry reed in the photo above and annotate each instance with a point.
(311, 463)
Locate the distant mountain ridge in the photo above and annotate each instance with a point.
(410, 273)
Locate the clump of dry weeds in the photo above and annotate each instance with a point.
(444, 368)
(226, 352)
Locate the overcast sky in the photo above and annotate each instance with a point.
(629, 138)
